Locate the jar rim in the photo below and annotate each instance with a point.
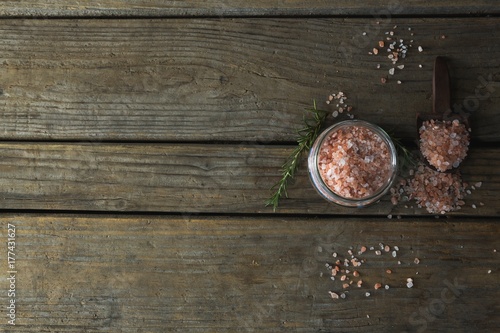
(325, 191)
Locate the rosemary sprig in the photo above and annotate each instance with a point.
(306, 137)
(407, 159)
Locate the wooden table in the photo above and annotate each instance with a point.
(139, 142)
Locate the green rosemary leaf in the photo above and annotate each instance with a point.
(407, 159)
(306, 137)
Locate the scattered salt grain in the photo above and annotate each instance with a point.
(420, 49)
(341, 105)
(409, 282)
(386, 287)
(367, 294)
(394, 254)
(489, 271)
(391, 71)
(333, 295)
(416, 261)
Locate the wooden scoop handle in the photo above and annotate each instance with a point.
(441, 95)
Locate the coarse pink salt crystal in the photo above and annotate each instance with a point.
(333, 295)
(355, 162)
(444, 144)
(437, 192)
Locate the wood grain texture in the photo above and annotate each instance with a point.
(177, 115)
(232, 79)
(193, 274)
(189, 178)
(157, 8)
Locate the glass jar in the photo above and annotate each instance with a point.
(353, 163)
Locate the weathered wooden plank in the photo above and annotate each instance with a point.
(188, 178)
(135, 8)
(231, 79)
(226, 274)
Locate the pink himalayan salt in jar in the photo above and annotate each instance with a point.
(353, 163)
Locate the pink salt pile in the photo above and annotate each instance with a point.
(444, 143)
(437, 192)
(354, 162)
